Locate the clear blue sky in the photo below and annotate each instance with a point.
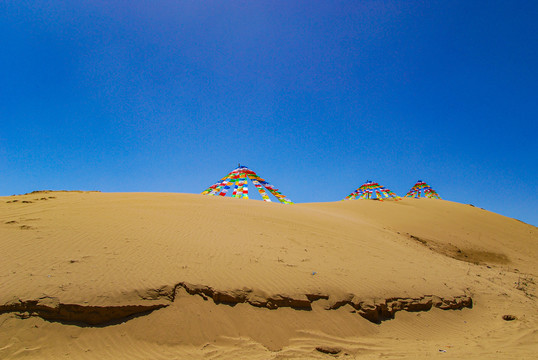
(316, 96)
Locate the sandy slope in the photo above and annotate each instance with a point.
(100, 275)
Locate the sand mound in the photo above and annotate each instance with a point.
(104, 275)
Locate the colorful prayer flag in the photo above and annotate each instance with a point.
(238, 178)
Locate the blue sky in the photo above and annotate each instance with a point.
(315, 96)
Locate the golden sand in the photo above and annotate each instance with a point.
(87, 275)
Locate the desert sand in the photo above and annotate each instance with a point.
(89, 275)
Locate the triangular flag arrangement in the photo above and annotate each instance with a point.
(238, 179)
(422, 186)
(372, 190)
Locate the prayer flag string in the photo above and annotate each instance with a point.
(420, 187)
(238, 180)
(372, 190)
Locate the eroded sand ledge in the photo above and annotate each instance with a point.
(374, 310)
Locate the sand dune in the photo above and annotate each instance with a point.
(152, 275)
